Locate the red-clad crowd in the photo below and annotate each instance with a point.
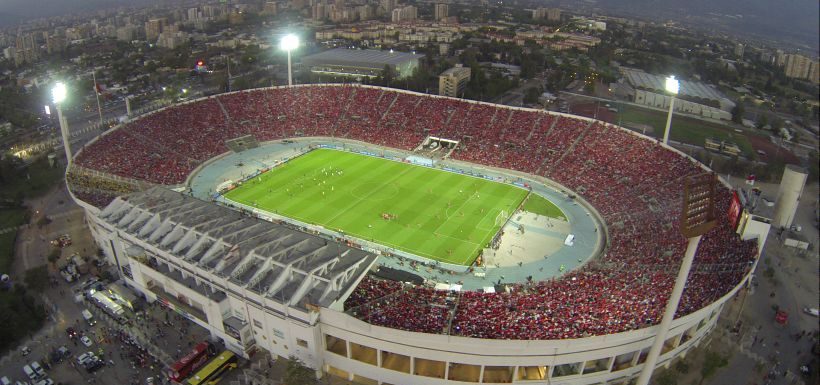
(633, 182)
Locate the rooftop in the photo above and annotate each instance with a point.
(272, 260)
(344, 56)
(641, 79)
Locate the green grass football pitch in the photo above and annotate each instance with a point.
(439, 215)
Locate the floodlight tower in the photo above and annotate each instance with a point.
(672, 87)
(58, 95)
(697, 218)
(289, 43)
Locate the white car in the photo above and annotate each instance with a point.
(35, 366)
(812, 311)
(86, 341)
(86, 357)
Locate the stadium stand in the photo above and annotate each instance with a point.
(632, 181)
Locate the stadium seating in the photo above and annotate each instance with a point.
(633, 182)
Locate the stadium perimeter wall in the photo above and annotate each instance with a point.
(621, 350)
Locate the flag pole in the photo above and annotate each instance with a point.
(97, 94)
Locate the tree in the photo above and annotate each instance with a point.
(777, 124)
(737, 113)
(297, 373)
(711, 363)
(762, 122)
(531, 95)
(387, 76)
(53, 256)
(667, 378)
(37, 278)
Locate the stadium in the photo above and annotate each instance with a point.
(391, 237)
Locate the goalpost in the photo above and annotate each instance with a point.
(501, 218)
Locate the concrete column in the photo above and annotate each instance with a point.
(669, 312)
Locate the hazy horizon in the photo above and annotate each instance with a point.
(13, 12)
(792, 20)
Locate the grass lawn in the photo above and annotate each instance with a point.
(685, 129)
(537, 204)
(32, 181)
(434, 214)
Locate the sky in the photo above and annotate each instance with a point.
(784, 19)
(13, 11)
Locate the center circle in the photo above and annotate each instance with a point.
(375, 191)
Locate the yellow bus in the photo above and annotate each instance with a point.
(212, 372)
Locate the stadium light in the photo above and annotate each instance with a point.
(697, 218)
(289, 43)
(672, 86)
(58, 95)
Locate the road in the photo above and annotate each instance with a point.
(760, 342)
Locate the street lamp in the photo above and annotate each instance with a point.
(672, 87)
(289, 43)
(58, 95)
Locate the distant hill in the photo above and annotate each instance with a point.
(790, 21)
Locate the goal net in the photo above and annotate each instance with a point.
(501, 217)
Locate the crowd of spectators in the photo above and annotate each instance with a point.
(633, 182)
(97, 190)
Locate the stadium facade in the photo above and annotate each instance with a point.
(255, 284)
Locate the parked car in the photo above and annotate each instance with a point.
(29, 372)
(93, 366)
(86, 341)
(37, 369)
(85, 358)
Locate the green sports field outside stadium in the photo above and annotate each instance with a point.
(432, 213)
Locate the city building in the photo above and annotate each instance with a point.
(153, 28)
(171, 39)
(408, 13)
(740, 48)
(441, 11)
(55, 44)
(693, 98)
(800, 67)
(387, 6)
(453, 81)
(271, 8)
(788, 195)
(27, 48)
(550, 14)
(361, 63)
(126, 33)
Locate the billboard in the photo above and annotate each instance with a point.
(735, 209)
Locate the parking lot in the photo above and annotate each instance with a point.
(135, 352)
